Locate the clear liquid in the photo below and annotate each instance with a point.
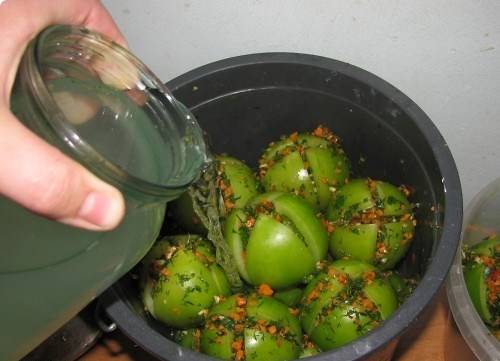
(49, 271)
(64, 269)
(123, 132)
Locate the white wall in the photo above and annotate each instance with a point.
(444, 54)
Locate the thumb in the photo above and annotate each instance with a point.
(42, 179)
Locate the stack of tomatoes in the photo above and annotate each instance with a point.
(312, 245)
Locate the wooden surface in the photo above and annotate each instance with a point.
(435, 338)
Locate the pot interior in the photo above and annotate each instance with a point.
(245, 103)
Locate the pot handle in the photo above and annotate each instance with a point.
(102, 320)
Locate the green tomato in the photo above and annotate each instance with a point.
(309, 348)
(182, 212)
(344, 302)
(289, 297)
(251, 328)
(309, 165)
(277, 240)
(481, 274)
(236, 182)
(189, 338)
(237, 185)
(372, 221)
(403, 286)
(180, 280)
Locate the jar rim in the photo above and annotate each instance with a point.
(85, 153)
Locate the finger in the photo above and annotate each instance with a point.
(100, 20)
(40, 178)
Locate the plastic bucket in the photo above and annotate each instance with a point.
(480, 221)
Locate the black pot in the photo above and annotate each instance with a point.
(243, 103)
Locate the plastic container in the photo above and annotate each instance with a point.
(243, 103)
(100, 105)
(481, 220)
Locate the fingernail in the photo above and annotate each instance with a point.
(99, 209)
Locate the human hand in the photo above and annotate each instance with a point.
(32, 172)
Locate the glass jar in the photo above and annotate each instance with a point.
(101, 106)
